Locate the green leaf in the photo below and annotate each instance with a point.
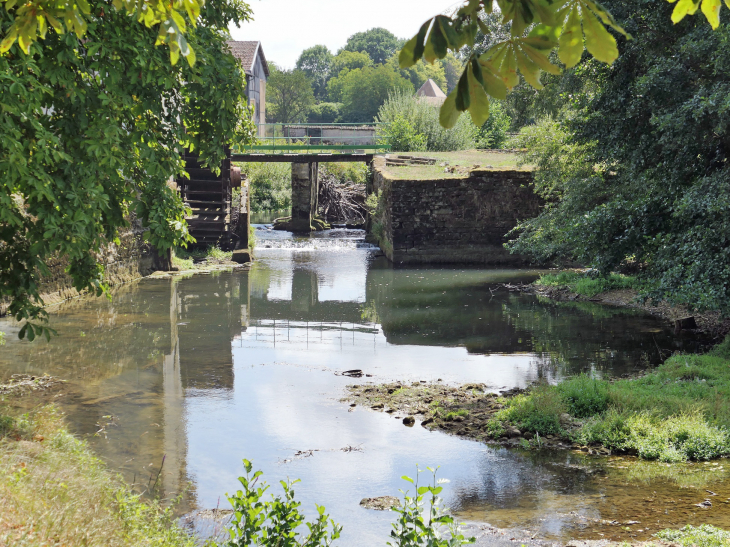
(479, 106)
(570, 49)
(407, 478)
(9, 40)
(84, 6)
(407, 53)
(711, 9)
(599, 41)
(684, 7)
(448, 115)
(462, 92)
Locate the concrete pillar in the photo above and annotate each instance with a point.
(304, 191)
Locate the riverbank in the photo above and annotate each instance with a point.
(677, 412)
(55, 491)
(623, 291)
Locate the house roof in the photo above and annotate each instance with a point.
(246, 52)
(430, 89)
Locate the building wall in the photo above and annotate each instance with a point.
(456, 220)
(256, 91)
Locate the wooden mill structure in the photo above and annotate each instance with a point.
(220, 214)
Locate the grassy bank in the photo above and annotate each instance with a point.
(579, 282)
(54, 491)
(678, 412)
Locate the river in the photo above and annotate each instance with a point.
(200, 372)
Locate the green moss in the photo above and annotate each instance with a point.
(450, 416)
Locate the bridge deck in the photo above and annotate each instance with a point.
(307, 143)
(301, 158)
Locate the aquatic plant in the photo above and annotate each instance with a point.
(422, 518)
(537, 412)
(259, 522)
(584, 396)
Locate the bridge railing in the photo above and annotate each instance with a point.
(319, 138)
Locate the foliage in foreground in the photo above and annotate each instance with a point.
(257, 521)
(422, 519)
(54, 491)
(92, 129)
(677, 412)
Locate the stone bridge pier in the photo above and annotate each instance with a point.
(304, 192)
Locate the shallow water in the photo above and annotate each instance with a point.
(207, 370)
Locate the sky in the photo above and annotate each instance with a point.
(286, 27)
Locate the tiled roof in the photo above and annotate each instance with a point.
(430, 89)
(246, 52)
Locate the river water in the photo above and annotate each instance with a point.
(203, 371)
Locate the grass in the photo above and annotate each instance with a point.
(587, 285)
(697, 536)
(455, 414)
(185, 259)
(54, 491)
(678, 412)
(461, 159)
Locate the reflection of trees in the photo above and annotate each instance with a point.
(420, 307)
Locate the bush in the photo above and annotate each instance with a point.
(403, 137)
(589, 283)
(276, 522)
(584, 396)
(424, 118)
(270, 185)
(493, 134)
(324, 113)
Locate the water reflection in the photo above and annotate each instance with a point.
(201, 372)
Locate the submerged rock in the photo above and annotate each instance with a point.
(409, 421)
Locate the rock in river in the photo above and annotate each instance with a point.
(382, 503)
(409, 421)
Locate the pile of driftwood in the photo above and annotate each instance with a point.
(341, 203)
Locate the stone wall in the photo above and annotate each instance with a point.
(452, 220)
(132, 259)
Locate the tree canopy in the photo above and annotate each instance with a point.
(636, 164)
(316, 62)
(380, 44)
(289, 95)
(91, 131)
(366, 89)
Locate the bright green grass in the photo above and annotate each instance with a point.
(587, 285)
(678, 412)
(697, 536)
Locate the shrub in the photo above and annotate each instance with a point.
(270, 185)
(403, 137)
(277, 522)
(584, 396)
(424, 118)
(493, 134)
(324, 113)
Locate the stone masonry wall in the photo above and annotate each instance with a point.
(131, 259)
(455, 220)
